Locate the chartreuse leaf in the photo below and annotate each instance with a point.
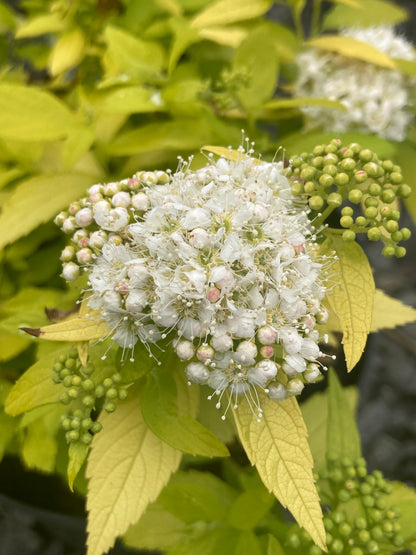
(285, 103)
(7, 423)
(249, 508)
(247, 544)
(229, 11)
(77, 454)
(404, 498)
(67, 52)
(229, 153)
(352, 48)
(127, 468)
(11, 344)
(36, 200)
(368, 13)
(278, 447)
(351, 3)
(36, 26)
(35, 387)
(389, 312)
(352, 296)
(218, 540)
(184, 36)
(171, 420)
(31, 114)
(128, 100)
(274, 547)
(343, 439)
(228, 36)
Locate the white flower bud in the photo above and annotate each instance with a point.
(267, 351)
(294, 364)
(266, 335)
(213, 294)
(205, 353)
(222, 343)
(141, 202)
(287, 252)
(190, 328)
(323, 315)
(111, 220)
(260, 213)
(138, 274)
(121, 199)
(136, 301)
(84, 217)
(84, 256)
(291, 340)
(312, 372)
(309, 349)
(247, 349)
(185, 350)
(70, 271)
(68, 225)
(60, 218)
(268, 369)
(111, 189)
(196, 372)
(196, 217)
(98, 239)
(94, 189)
(222, 277)
(277, 392)
(67, 254)
(295, 386)
(111, 300)
(79, 234)
(199, 238)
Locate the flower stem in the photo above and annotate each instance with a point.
(316, 13)
(320, 220)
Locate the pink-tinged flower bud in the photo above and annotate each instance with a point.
(67, 254)
(121, 199)
(133, 183)
(136, 301)
(84, 217)
(266, 335)
(185, 350)
(222, 343)
(267, 351)
(213, 294)
(84, 256)
(295, 386)
(122, 287)
(299, 248)
(312, 372)
(277, 392)
(268, 369)
(323, 315)
(141, 202)
(98, 239)
(69, 225)
(308, 322)
(96, 197)
(84, 242)
(70, 271)
(199, 238)
(205, 353)
(111, 189)
(196, 372)
(79, 234)
(73, 208)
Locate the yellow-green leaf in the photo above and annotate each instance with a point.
(229, 153)
(228, 36)
(83, 348)
(389, 312)
(352, 48)
(73, 329)
(127, 468)
(351, 3)
(40, 25)
(285, 103)
(37, 200)
(77, 454)
(278, 447)
(230, 11)
(368, 13)
(352, 296)
(35, 387)
(129, 100)
(11, 345)
(67, 52)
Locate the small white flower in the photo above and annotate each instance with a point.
(70, 271)
(84, 217)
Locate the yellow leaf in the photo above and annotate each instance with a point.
(40, 25)
(229, 36)
(229, 153)
(352, 296)
(351, 48)
(67, 52)
(279, 449)
(389, 313)
(229, 11)
(82, 348)
(127, 468)
(351, 3)
(73, 329)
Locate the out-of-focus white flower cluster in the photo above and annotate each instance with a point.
(222, 261)
(376, 98)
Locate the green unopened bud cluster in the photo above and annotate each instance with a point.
(373, 530)
(102, 217)
(84, 395)
(333, 175)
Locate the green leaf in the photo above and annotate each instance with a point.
(261, 69)
(274, 547)
(229, 11)
(218, 540)
(127, 468)
(227, 36)
(406, 158)
(278, 446)
(184, 36)
(406, 66)
(249, 508)
(11, 345)
(171, 421)
(370, 13)
(67, 52)
(8, 18)
(37, 200)
(129, 100)
(285, 103)
(157, 529)
(343, 439)
(197, 496)
(352, 48)
(40, 25)
(209, 416)
(404, 498)
(77, 454)
(35, 387)
(389, 312)
(247, 544)
(351, 298)
(32, 114)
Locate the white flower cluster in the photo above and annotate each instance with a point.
(221, 261)
(376, 98)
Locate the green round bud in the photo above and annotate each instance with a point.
(355, 196)
(368, 501)
(76, 381)
(361, 462)
(387, 165)
(73, 393)
(344, 495)
(67, 381)
(57, 367)
(370, 201)
(365, 489)
(107, 382)
(79, 413)
(346, 221)
(328, 523)
(404, 191)
(56, 379)
(86, 438)
(396, 178)
(296, 188)
(64, 373)
(330, 159)
(318, 150)
(371, 168)
(122, 394)
(70, 363)
(391, 226)
(326, 180)
(360, 523)
(111, 393)
(86, 423)
(356, 551)
(96, 427)
(387, 527)
(88, 401)
(363, 536)
(99, 391)
(338, 517)
(117, 377)
(73, 352)
(372, 547)
(331, 170)
(374, 189)
(395, 215)
(316, 202)
(342, 179)
(348, 164)
(296, 162)
(385, 211)
(387, 487)
(337, 546)
(397, 236)
(315, 550)
(332, 146)
(75, 423)
(89, 369)
(406, 233)
(309, 187)
(308, 173)
(399, 252)
(348, 236)
(398, 540)
(73, 435)
(388, 251)
(388, 196)
(365, 155)
(374, 234)
(88, 385)
(62, 359)
(360, 176)
(377, 533)
(347, 210)
(318, 162)
(334, 199)
(110, 406)
(371, 212)
(294, 541)
(66, 423)
(344, 529)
